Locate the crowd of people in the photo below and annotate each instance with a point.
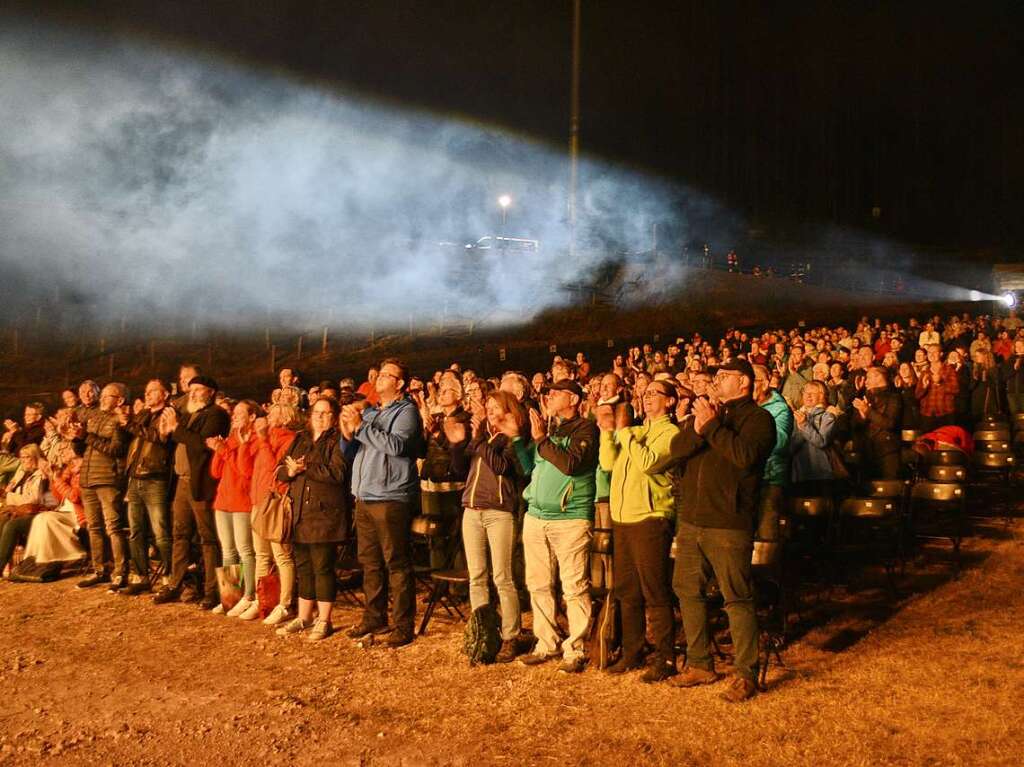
(685, 454)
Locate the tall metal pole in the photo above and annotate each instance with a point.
(574, 126)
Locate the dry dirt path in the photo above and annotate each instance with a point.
(94, 679)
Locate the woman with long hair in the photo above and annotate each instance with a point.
(317, 475)
(985, 386)
(490, 501)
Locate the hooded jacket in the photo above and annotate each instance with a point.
(561, 466)
(636, 458)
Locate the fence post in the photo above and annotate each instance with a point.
(110, 369)
(273, 358)
(298, 350)
(323, 347)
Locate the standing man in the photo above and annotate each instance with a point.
(876, 419)
(388, 438)
(636, 457)
(194, 492)
(102, 483)
(148, 472)
(725, 447)
(557, 526)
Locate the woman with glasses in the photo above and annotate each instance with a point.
(317, 476)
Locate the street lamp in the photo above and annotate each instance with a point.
(504, 201)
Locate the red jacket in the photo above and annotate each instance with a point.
(266, 455)
(232, 465)
(64, 486)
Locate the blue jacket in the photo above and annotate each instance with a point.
(810, 461)
(387, 444)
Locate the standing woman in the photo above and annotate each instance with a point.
(232, 465)
(905, 383)
(272, 436)
(490, 500)
(318, 476)
(985, 388)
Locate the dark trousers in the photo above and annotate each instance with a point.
(314, 567)
(382, 531)
(188, 516)
(640, 562)
(102, 507)
(769, 509)
(12, 530)
(700, 553)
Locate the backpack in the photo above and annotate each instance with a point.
(30, 571)
(605, 635)
(481, 639)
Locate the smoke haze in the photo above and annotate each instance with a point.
(156, 185)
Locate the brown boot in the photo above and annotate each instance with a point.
(739, 690)
(692, 676)
(508, 652)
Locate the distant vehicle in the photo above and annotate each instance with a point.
(518, 244)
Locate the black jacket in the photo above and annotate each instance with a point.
(493, 471)
(106, 443)
(721, 476)
(321, 504)
(149, 454)
(877, 432)
(438, 465)
(192, 432)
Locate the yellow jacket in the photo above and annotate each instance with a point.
(637, 457)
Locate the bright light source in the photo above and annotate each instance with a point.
(976, 295)
(504, 201)
(1010, 299)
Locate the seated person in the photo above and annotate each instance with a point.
(23, 498)
(53, 536)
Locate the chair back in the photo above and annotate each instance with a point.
(994, 460)
(997, 446)
(945, 458)
(947, 473)
(868, 507)
(910, 435)
(818, 506)
(937, 491)
(991, 435)
(886, 488)
(426, 525)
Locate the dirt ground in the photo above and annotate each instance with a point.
(936, 677)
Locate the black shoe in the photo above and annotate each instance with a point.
(658, 671)
(362, 630)
(624, 664)
(134, 589)
(116, 584)
(399, 638)
(167, 594)
(208, 603)
(93, 580)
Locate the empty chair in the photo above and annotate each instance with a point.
(886, 488)
(910, 436)
(937, 511)
(870, 530)
(995, 464)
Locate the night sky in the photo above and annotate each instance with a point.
(791, 113)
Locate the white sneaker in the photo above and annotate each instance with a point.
(252, 613)
(243, 605)
(278, 615)
(218, 610)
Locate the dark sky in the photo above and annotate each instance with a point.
(793, 113)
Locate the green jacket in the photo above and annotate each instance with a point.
(562, 467)
(776, 470)
(636, 457)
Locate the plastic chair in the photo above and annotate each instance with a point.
(937, 511)
(992, 435)
(947, 474)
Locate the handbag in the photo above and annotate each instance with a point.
(268, 592)
(30, 571)
(229, 584)
(272, 520)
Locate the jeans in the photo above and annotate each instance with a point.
(483, 529)
(103, 515)
(642, 579)
(561, 547)
(382, 532)
(147, 512)
(188, 515)
(234, 532)
(281, 555)
(314, 564)
(701, 552)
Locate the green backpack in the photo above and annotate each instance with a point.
(482, 638)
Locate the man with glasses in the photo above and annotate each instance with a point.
(641, 510)
(724, 449)
(388, 438)
(561, 460)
